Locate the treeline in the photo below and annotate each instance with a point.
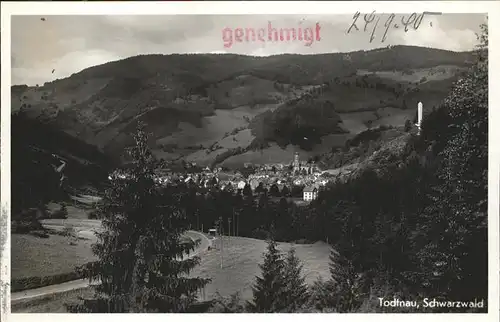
(252, 213)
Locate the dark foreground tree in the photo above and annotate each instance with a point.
(140, 263)
(274, 191)
(285, 192)
(346, 292)
(268, 288)
(295, 292)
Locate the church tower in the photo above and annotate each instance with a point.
(296, 162)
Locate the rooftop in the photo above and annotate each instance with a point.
(309, 189)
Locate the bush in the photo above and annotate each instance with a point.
(39, 233)
(62, 213)
(69, 232)
(26, 283)
(94, 214)
(232, 304)
(260, 233)
(408, 125)
(24, 227)
(303, 241)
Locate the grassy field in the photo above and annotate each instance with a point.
(33, 256)
(240, 266)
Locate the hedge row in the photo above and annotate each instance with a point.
(26, 283)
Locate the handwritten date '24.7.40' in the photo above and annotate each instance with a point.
(372, 21)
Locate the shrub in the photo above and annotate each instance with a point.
(303, 241)
(94, 214)
(68, 231)
(23, 227)
(39, 233)
(260, 233)
(408, 125)
(26, 283)
(62, 213)
(232, 304)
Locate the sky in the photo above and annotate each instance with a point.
(69, 44)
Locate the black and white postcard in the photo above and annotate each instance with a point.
(204, 157)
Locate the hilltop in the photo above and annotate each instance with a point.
(231, 109)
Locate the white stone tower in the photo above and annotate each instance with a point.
(420, 113)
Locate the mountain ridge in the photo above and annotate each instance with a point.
(225, 104)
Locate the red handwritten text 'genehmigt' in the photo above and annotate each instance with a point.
(307, 35)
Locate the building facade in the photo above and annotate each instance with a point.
(241, 184)
(298, 166)
(296, 162)
(310, 193)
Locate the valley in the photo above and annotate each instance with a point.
(288, 146)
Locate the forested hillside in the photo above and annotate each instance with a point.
(240, 104)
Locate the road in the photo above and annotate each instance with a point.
(82, 283)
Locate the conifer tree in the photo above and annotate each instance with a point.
(346, 291)
(274, 191)
(295, 294)
(268, 288)
(140, 263)
(247, 191)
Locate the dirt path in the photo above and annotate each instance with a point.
(82, 283)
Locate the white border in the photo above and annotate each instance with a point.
(275, 7)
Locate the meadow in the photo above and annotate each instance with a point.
(241, 259)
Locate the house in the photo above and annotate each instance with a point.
(241, 184)
(310, 193)
(254, 183)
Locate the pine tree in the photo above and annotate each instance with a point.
(274, 191)
(247, 191)
(296, 293)
(268, 289)
(346, 291)
(285, 192)
(260, 188)
(140, 263)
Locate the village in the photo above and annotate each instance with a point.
(300, 181)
